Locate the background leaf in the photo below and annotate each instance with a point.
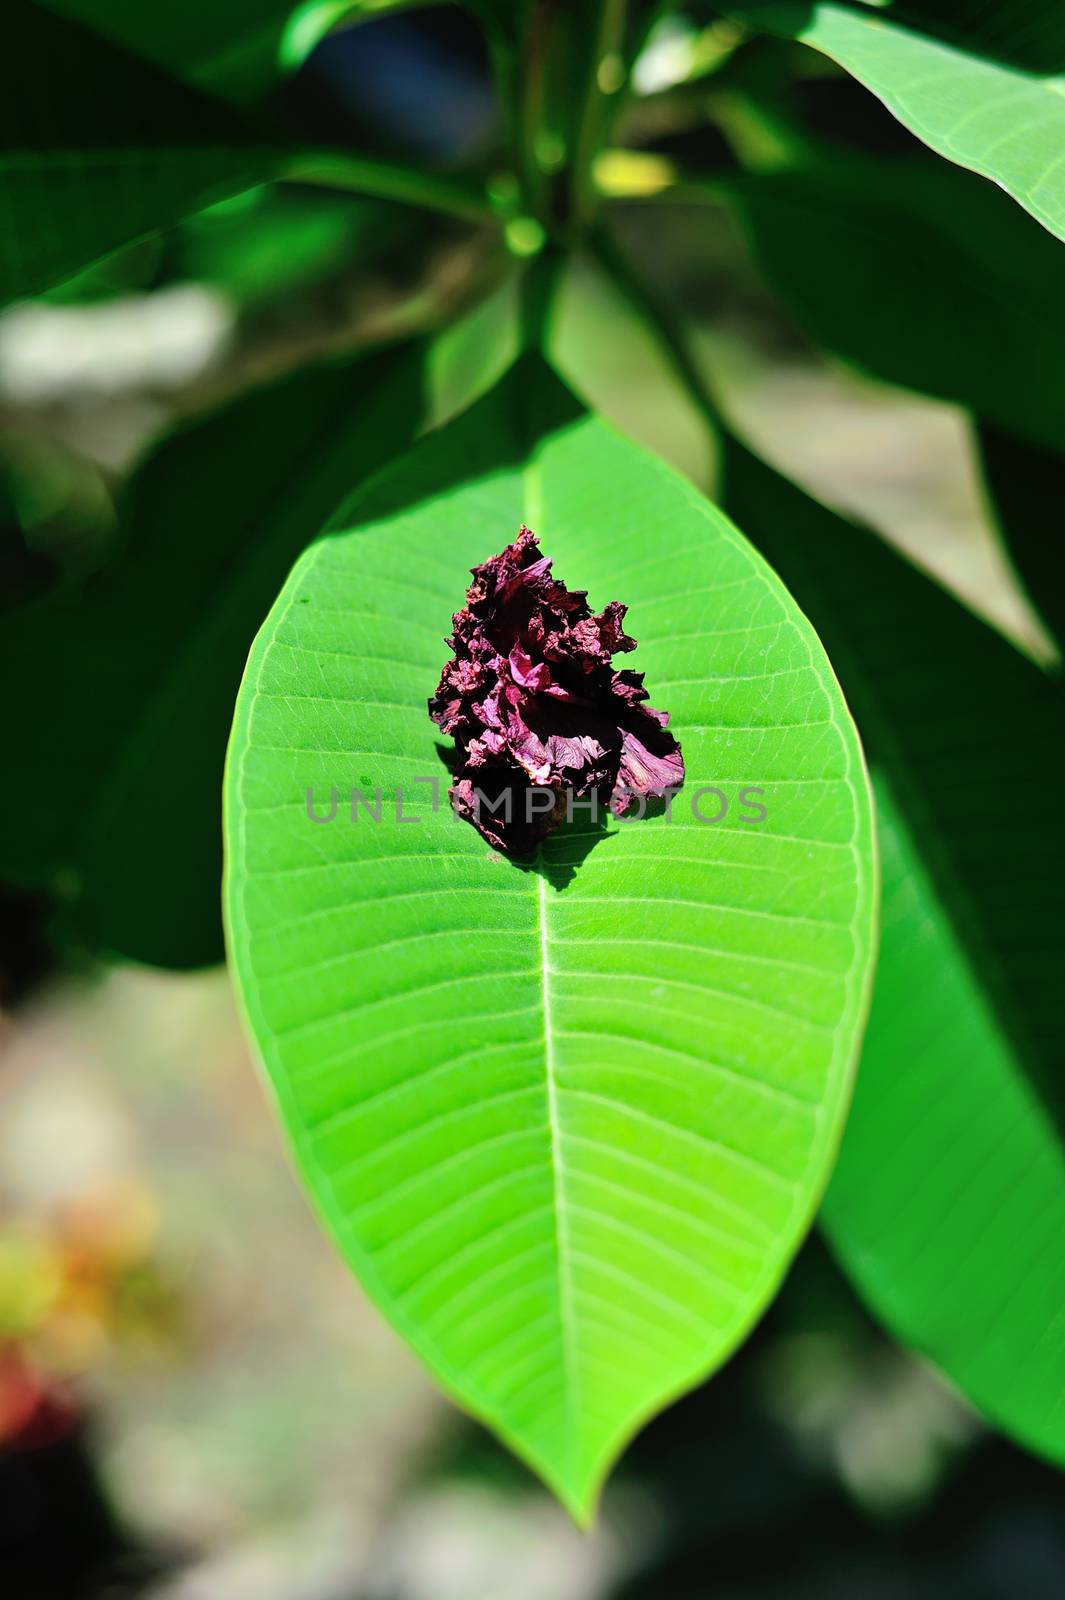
(1025, 33)
(228, 47)
(1000, 121)
(919, 274)
(1026, 484)
(567, 1124)
(948, 1201)
(98, 148)
(118, 697)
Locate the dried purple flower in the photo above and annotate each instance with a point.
(533, 703)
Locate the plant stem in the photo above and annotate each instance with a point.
(605, 51)
(389, 180)
(658, 313)
(506, 81)
(539, 287)
(533, 91)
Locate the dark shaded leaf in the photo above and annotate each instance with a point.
(98, 148)
(1021, 33)
(948, 1204)
(118, 698)
(922, 275)
(1026, 489)
(228, 48)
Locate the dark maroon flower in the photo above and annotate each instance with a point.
(540, 718)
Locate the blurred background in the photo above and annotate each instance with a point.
(196, 1401)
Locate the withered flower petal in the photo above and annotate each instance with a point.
(533, 702)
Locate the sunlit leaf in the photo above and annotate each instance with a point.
(567, 1122)
(1002, 121)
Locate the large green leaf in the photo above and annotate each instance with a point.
(567, 1123)
(948, 1203)
(118, 697)
(1001, 121)
(98, 148)
(921, 274)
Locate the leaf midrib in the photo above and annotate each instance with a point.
(565, 1289)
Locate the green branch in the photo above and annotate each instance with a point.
(539, 287)
(532, 98)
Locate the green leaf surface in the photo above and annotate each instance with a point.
(920, 274)
(98, 148)
(1001, 121)
(567, 1122)
(118, 697)
(948, 1202)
